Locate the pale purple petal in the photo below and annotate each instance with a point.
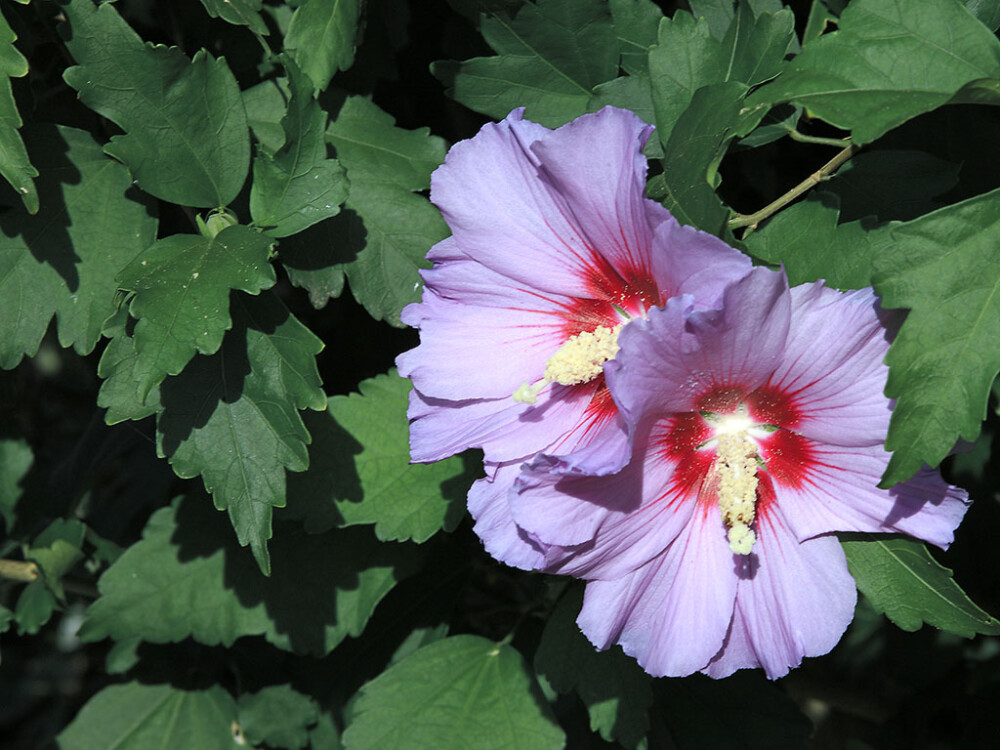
(480, 335)
(840, 493)
(494, 524)
(832, 366)
(602, 526)
(503, 215)
(596, 168)
(505, 429)
(794, 599)
(696, 263)
(678, 354)
(671, 615)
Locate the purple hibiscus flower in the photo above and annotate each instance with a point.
(554, 249)
(758, 430)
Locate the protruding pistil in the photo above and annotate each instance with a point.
(579, 360)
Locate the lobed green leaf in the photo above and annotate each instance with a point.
(181, 288)
(322, 36)
(187, 578)
(16, 458)
(186, 138)
(360, 470)
(388, 229)
(297, 186)
(233, 418)
(550, 57)
(277, 716)
(887, 63)
(64, 260)
(944, 267)
(615, 689)
(901, 579)
(134, 716)
(238, 12)
(464, 691)
(15, 165)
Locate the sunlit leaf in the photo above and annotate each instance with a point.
(15, 165)
(233, 418)
(461, 692)
(181, 288)
(186, 138)
(886, 63)
(901, 579)
(550, 57)
(64, 259)
(322, 36)
(360, 470)
(945, 268)
(134, 716)
(297, 186)
(278, 716)
(391, 228)
(238, 12)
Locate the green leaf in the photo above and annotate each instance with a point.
(181, 288)
(16, 458)
(64, 259)
(615, 689)
(56, 550)
(238, 12)
(314, 259)
(360, 470)
(34, 608)
(324, 736)
(887, 63)
(385, 165)
(134, 716)
(233, 418)
(636, 23)
(460, 692)
(278, 716)
(186, 578)
(944, 267)
(297, 186)
(687, 57)
(792, 238)
(124, 372)
(987, 11)
(697, 143)
(267, 105)
(186, 138)
(901, 579)
(15, 166)
(322, 36)
(549, 59)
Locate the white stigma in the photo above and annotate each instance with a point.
(579, 360)
(736, 465)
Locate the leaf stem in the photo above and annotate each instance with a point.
(18, 570)
(795, 135)
(823, 173)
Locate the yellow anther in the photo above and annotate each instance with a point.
(579, 360)
(736, 464)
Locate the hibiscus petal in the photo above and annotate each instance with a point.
(480, 335)
(672, 614)
(505, 429)
(502, 215)
(679, 354)
(696, 263)
(495, 524)
(596, 167)
(840, 493)
(793, 599)
(832, 367)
